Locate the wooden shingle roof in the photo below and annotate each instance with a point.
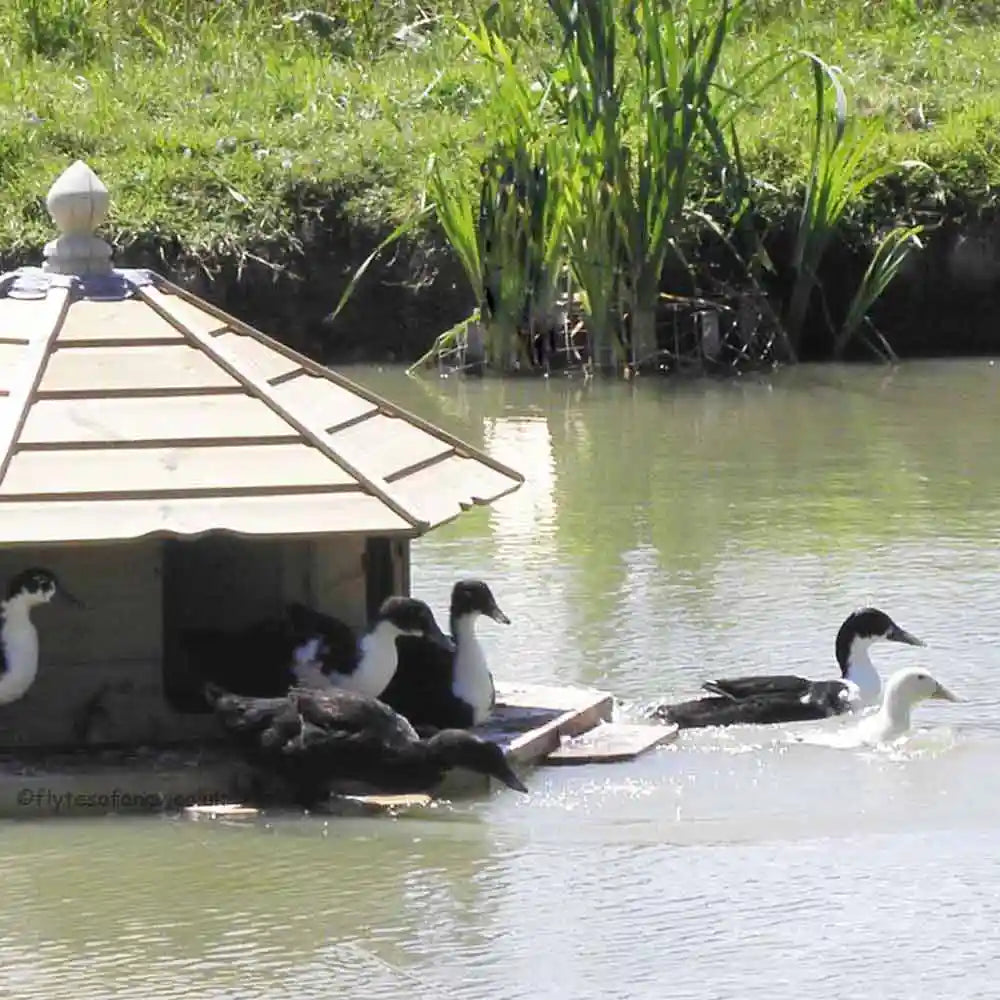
(130, 407)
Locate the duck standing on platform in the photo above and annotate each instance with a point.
(781, 698)
(18, 635)
(327, 653)
(310, 649)
(435, 687)
(312, 740)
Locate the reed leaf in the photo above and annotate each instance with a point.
(889, 257)
(401, 230)
(836, 180)
(455, 213)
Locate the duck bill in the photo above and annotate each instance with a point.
(898, 634)
(498, 616)
(505, 773)
(944, 694)
(440, 639)
(69, 597)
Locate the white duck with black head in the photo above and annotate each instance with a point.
(18, 635)
(780, 698)
(435, 687)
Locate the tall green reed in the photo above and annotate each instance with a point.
(507, 234)
(677, 53)
(521, 208)
(838, 176)
(634, 117)
(590, 93)
(890, 255)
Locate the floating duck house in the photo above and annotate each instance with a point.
(178, 469)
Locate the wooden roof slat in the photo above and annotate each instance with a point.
(190, 316)
(122, 321)
(67, 521)
(270, 364)
(17, 315)
(224, 356)
(390, 444)
(41, 327)
(327, 404)
(120, 468)
(11, 359)
(97, 370)
(221, 491)
(442, 490)
(150, 418)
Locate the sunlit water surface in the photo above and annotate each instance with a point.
(666, 534)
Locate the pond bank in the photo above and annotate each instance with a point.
(944, 304)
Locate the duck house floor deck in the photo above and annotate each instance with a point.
(531, 721)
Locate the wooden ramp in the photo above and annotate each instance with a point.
(531, 720)
(611, 742)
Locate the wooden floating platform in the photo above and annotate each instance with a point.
(534, 723)
(611, 742)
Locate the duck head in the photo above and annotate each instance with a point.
(459, 748)
(903, 691)
(474, 597)
(38, 585)
(864, 627)
(913, 685)
(409, 616)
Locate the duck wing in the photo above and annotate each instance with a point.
(817, 701)
(739, 688)
(322, 758)
(343, 713)
(339, 640)
(255, 725)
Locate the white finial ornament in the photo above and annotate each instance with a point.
(78, 203)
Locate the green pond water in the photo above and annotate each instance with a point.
(666, 533)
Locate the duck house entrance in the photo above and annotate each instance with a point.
(228, 582)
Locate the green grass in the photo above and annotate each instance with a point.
(212, 122)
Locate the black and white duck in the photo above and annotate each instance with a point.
(313, 741)
(780, 698)
(18, 635)
(329, 655)
(438, 688)
(307, 648)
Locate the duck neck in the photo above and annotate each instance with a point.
(444, 749)
(463, 628)
(896, 712)
(471, 679)
(860, 671)
(378, 660)
(20, 649)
